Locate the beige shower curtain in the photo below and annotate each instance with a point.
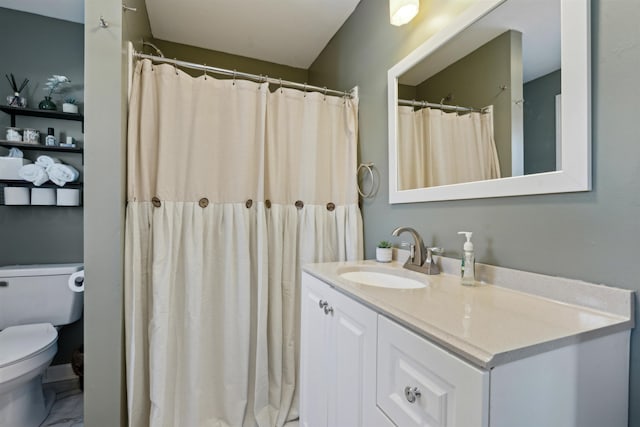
(230, 189)
(438, 148)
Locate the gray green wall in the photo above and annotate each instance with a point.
(540, 123)
(590, 236)
(226, 60)
(475, 81)
(45, 46)
(35, 47)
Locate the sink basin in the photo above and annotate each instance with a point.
(381, 279)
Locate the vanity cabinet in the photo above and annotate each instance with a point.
(359, 366)
(337, 360)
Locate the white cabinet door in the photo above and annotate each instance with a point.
(314, 354)
(337, 360)
(352, 397)
(422, 385)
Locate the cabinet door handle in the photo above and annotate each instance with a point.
(328, 310)
(412, 393)
(323, 304)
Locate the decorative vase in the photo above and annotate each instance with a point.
(47, 104)
(384, 254)
(69, 108)
(16, 100)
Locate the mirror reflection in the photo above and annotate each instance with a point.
(486, 104)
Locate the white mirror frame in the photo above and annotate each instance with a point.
(575, 115)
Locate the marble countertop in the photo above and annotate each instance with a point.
(489, 325)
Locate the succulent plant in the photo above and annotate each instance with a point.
(55, 82)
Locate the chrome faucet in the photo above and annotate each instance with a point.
(420, 257)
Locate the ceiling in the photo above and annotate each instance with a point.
(67, 10)
(289, 32)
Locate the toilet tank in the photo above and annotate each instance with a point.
(38, 294)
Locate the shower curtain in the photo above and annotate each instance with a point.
(231, 189)
(438, 148)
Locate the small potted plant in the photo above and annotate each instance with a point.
(384, 252)
(54, 84)
(16, 100)
(70, 105)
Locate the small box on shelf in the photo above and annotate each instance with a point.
(16, 196)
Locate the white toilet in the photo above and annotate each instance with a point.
(33, 299)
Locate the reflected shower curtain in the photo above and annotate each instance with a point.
(230, 189)
(438, 148)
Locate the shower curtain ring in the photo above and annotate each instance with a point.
(234, 77)
(205, 71)
(325, 94)
(281, 85)
(305, 90)
(175, 67)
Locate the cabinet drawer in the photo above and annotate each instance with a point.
(420, 384)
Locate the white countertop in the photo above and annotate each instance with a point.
(488, 325)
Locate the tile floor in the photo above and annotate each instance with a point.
(67, 410)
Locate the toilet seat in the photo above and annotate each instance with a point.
(18, 343)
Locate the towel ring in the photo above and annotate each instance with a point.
(368, 167)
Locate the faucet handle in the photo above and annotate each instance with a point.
(429, 264)
(430, 252)
(435, 250)
(410, 247)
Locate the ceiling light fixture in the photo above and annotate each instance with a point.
(403, 11)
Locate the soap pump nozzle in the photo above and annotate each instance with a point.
(468, 245)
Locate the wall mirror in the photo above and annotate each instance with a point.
(496, 104)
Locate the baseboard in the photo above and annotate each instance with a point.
(57, 373)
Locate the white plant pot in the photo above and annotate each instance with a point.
(69, 108)
(384, 254)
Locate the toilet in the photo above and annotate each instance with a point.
(34, 300)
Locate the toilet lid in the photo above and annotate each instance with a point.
(20, 342)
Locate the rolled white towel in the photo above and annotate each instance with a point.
(61, 174)
(46, 161)
(34, 173)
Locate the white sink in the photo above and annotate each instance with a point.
(382, 279)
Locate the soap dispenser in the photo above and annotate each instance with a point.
(468, 267)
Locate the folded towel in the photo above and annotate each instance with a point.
(34, 173)
(16, 153)
(46, 161)
(61, 174)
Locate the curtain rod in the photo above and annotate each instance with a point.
(414, 103)
(234, 73)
